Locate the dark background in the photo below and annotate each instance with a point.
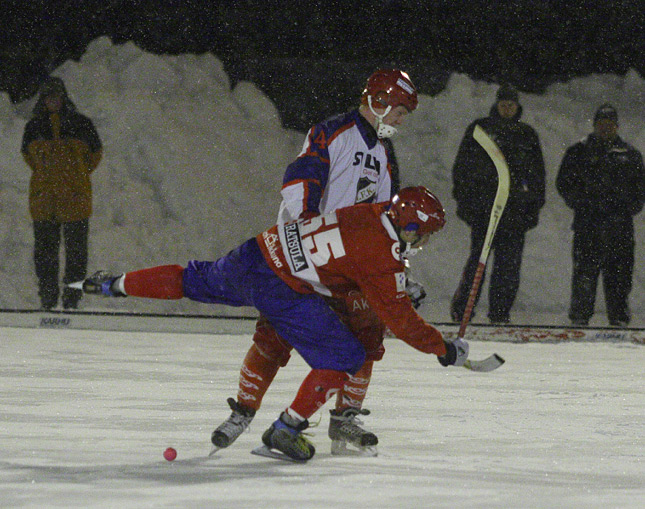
(311, 58)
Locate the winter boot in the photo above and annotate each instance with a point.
(71, 297)
(48, 296)
(239, 420)
(345, 429)
(285, 436)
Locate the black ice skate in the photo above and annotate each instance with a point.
(236, 424)
(284, 440)
(345, 429)
(99, 283)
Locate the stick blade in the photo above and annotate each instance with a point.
(485, 365)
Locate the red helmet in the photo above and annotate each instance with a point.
(417, 209)
(390, 87)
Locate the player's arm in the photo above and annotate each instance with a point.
(386, 295)
(305, 178)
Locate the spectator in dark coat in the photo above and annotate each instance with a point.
(602, 179)
(62, 148)
(474, 188)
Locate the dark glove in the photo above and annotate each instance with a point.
(456, 353)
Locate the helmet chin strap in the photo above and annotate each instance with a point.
(382, 130)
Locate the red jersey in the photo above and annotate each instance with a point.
(353, 248)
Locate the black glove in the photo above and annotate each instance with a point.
(456, 353)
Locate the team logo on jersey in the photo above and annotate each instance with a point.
(294, 247)
(366, 190)
(368, 161)
(271, 241)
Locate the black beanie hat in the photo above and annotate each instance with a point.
(507, 93)
(606, 111)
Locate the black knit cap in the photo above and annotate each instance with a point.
(606, 111)
(507, 93)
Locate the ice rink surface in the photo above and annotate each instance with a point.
(86, 416)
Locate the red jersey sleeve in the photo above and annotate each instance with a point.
(381, 278)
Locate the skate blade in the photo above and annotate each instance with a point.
(270, 453)
(340, 448)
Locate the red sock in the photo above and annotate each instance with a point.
(163, 282)
(316, 389)
(355, 388)
(256, 376)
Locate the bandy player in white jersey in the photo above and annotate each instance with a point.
(343, 162)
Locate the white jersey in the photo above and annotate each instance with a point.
(342, 163)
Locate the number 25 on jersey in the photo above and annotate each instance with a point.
(321, 236)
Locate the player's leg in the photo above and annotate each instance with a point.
(285, 434)
(229, 280)
(161, 282)
(333, 353)
(267, 355)
(345, 425)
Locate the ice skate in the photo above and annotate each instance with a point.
(345, 429)
(99, 283)
(236, 424)
(284, 440)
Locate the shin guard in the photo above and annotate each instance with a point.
(355, 388)
(256, 376)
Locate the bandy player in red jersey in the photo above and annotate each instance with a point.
(344, 161)
(285, 272)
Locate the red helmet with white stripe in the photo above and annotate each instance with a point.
(390, 87)
(415, 209)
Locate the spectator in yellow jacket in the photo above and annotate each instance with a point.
(62, 148)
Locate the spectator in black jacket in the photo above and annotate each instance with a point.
(474, 188)
(602, 179)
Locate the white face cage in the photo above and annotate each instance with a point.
(382, 130)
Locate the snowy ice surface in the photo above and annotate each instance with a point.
(191, 169)
(86, 416)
